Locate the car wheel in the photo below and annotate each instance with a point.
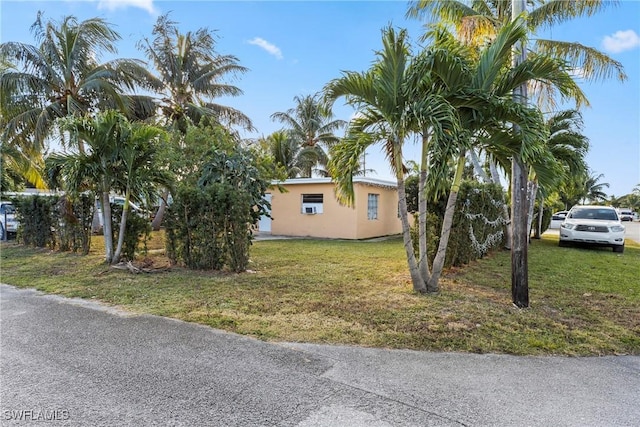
(618, 249)
(563, 243)
(1, 232)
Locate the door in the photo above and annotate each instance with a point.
(264, 225)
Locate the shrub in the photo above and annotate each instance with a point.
(209, 224)
(37, 216)
(75, 216)
(136, 235)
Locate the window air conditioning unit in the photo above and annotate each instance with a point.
(310, 210)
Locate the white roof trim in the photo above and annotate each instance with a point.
(356, 180)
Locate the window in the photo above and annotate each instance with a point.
(312, 198)
(312, 204)
(372, 206)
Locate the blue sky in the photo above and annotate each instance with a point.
(296, 47)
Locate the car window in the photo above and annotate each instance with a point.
(599, 214)
(8, 209)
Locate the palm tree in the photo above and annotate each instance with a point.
(593, 190)
(477, 21)
(289, 155)
(191, 76)
(143, 174)
(62, 77)
(388, 111)
(120, 157)
(479, 85)
(567, 148)
(311, 126)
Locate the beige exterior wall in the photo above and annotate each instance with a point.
(335, 221)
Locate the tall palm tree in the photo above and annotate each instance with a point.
(479, 84)
(477, 21)
(191, 75)
(310, 124)
(567, 147)
(388, 111)
(142, 171)
(62, 77)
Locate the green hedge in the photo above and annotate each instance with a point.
(56, 222)
(64, 223)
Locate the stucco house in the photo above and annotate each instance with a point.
(309, 208)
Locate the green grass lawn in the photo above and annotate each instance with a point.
(583, 301)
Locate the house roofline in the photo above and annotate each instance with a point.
(356, 180)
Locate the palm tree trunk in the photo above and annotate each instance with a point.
(95, 222)
(123, 228)
(107, 229)
(477, 167)
(438, 262)
(157, 219)
(532, 188)
(422, 211)
(419, 284)
(538, 233)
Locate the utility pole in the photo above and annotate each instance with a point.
(519, 195)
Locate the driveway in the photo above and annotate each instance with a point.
(85, 364)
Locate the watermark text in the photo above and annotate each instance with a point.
(35, 414)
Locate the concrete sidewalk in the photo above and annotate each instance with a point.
(98, 366)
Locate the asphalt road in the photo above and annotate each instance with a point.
(85, 364)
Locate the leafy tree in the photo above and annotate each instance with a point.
(310, 131)
(216, 204)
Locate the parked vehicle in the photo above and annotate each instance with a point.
(626, 214)
(559, 216)
(556, 219)
(8, 221)
(593, 225)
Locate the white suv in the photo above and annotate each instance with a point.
(593, 225)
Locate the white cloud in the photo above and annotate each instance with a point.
(269, 47)
(123, 4)
(621, 41)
